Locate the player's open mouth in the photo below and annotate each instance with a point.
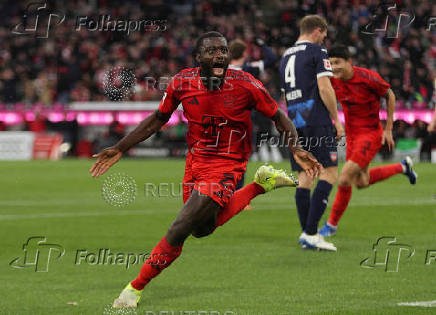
(218, 70)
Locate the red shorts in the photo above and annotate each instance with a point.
(362, 147)
(212, 176)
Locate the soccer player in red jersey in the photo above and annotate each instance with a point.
(359, 91)
(217, 103)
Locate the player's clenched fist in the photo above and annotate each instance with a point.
(308, 162)
(105, 159)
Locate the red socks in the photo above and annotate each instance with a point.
(343, 195)
(162, 256)
(340, 204)
(379, 173)
(238, 201)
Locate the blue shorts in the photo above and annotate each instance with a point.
(321, 142)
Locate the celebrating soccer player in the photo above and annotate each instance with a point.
(217, 103)
(305, 70)
(359, 91)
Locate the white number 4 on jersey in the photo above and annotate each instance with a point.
(290, 71)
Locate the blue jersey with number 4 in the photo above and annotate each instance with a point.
(300, 67)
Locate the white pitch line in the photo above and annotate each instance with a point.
(278, 201)
(274, 207)
(423, 304)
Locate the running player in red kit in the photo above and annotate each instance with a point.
(359, 91)
(217, 103)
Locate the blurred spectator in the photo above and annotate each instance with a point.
(39, 124)
(113, 135)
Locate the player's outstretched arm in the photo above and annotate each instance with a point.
(306, 160)
(387, 133)
(111, 155)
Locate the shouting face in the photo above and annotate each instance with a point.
(213, 57)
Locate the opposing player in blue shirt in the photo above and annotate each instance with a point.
(305, 72)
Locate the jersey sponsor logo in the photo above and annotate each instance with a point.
(327, 64)
(333, 156)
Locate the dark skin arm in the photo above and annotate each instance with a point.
(111, 155)
(306, 160)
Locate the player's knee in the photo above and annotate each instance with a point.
(204, 230)
(344, 180)
(305, 181)
(361, 184)
(330, 177)
(180, 229)
(198, 233)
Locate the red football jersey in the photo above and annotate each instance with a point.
(360, 99)
(219, 121)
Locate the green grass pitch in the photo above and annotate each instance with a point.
(251, 265)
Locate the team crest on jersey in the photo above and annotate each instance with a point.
(333, 156)
(327, 64)
(229, 100)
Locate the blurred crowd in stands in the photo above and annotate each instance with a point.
(69, 65)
